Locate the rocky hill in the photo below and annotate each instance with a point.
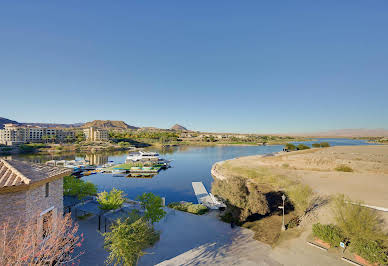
(178, 127)
(6, 121)
(109, 124)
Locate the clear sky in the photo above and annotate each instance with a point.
(240, 66)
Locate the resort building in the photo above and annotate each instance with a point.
(14, 134)
(30, 190)
(96, 134)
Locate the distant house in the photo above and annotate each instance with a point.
(30, 190)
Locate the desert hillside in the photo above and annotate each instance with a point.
(109, 124)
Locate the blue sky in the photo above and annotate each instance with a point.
(240, 66)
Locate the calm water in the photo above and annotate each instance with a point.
(189, 164)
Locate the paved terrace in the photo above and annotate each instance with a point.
(188, 239)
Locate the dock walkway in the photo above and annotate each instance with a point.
(206, 198)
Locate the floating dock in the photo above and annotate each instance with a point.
(206, 198)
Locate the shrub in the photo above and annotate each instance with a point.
(294, 222)
(356, 221)
(371, 250)
(290, 147)
(343, 168)
(198, 209)
(247, 198)
(76, 187)
(321, 145)
(300, 196)
(112, 200)
(325, 144)
(302, 147)
(329, 233)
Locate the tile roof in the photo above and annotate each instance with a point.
(16, 173)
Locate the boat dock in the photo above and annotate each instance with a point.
(206, 198)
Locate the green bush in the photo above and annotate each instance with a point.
(343, 168)
(112, 200)
(300, 195)
(371, 250)
(302, 147)
(77, 187)
(321, 145)
(325, 144)
(290, 147)
(198, 209)
(356, 221)
(329, 233)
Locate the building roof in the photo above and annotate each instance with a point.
(14, 173)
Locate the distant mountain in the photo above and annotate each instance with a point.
(150, 129)
(6, 121)
(178, 127)
(109, 124)
(359, 132)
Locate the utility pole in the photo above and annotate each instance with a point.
(282, 207)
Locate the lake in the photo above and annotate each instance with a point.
(190, 163)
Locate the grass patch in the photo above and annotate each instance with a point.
(85, 216)
(343, 168)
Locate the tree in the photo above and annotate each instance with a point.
(22, 244)
(153, 206)
(77, 187)
(127, 240)
(112, 200)
(316, 145)
(80, 136)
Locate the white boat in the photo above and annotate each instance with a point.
(142, 156)
(119, 172)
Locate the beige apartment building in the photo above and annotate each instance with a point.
(13, 134)
(96, 134)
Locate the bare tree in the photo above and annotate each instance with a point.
(55, 243)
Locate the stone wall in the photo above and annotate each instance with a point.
(37, 202)
(23, 206)
(13, 207)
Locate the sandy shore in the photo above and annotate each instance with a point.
(316, 167)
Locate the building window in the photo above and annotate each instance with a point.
(47, 190)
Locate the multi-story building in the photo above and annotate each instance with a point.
(13, 134)
(96, 134)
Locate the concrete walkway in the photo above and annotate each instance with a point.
(188, 239)
(192, 239)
